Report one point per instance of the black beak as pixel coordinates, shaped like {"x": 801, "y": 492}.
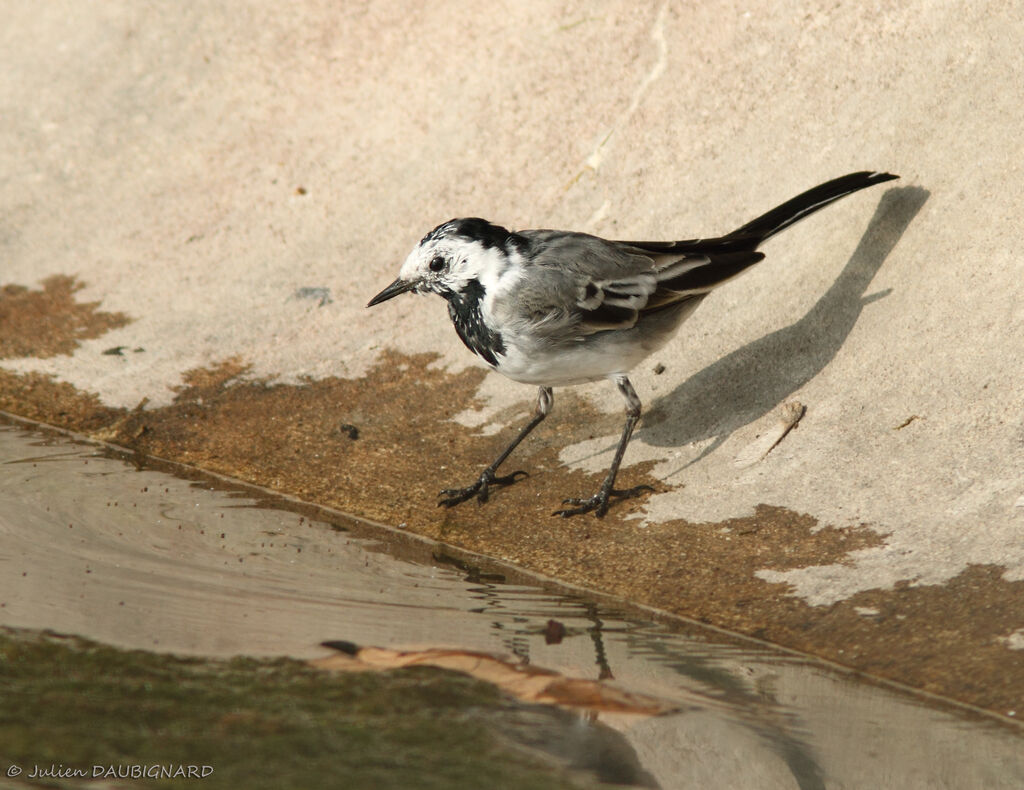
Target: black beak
{"x": 399, "y": 286}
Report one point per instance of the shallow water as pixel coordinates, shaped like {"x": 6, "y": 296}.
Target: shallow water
{"x": 92, "y": 545}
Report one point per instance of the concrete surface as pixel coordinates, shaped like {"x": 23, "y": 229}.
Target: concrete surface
{"x": 231, "y": 185}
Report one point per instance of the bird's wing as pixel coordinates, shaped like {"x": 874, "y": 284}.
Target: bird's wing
{"x": 595, "y": 285}
{"x": 584, "y": 283}
{"x": 693, "y": 274}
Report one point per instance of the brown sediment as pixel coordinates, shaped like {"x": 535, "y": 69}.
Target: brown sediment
{"x": 47, "y": 322}
{"x": 39, "y": 397}
{"x": 298, "y": 439}
{"x": 944, "y": 638}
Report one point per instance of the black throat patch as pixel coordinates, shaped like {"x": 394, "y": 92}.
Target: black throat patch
{"x": 465, "y": 309}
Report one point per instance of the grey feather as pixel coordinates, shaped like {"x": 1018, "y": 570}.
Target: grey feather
{"x": 583, "y": 284}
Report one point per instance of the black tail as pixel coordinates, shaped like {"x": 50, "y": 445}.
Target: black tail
{"x": 750, "y": 236}
{"x": 803, "y": 205}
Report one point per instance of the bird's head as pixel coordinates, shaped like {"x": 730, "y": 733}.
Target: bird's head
{"x": 452, "y": 256}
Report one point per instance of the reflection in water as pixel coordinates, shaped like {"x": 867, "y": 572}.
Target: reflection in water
{"x": 137, "y": 558}
{"x": 705, "y": 680}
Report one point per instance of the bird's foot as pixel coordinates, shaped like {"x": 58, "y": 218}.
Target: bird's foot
{"x": 450, "y": 497}
{"x": 599, "y": 501}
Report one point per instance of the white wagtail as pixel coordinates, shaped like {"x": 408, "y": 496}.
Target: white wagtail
{"x": 553, "y": 308}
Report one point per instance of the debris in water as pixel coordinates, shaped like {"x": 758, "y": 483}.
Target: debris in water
{"x": 525, "y": 681}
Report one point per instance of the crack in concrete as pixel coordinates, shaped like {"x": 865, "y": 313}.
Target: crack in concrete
{"x": 597, "y": 156}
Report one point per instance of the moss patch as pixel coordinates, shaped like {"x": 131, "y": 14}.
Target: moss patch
{"x": 256, "y": 723}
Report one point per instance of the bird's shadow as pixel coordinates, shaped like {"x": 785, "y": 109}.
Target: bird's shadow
{"x": 751, "y": 381}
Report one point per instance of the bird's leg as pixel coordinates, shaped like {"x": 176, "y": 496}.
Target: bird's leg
{"x": 453, "y": 496}
{"x": 599, "y": 502}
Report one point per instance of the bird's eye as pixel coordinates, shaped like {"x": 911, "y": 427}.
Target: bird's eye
{"x": 436, "y": 263}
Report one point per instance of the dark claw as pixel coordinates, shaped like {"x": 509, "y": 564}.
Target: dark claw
{"x": 599, "y": 502}
{"x": 508, "y": 480}
{"x": 450, "y": 497}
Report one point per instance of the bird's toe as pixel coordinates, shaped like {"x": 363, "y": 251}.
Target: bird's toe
{"x": 599, "y": 503}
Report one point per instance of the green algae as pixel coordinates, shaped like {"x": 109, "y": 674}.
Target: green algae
{"x": 257, "y": 723}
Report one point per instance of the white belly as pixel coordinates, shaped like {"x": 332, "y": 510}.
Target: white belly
{"x": 534, "y": 358}
{"x": 597, "y": 357}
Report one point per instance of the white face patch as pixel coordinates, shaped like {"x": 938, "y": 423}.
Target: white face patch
{"x": 410, "y": 268}
{"x": 463, "y": 261}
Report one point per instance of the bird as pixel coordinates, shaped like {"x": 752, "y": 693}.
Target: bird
{"x": 557, "y": 308}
